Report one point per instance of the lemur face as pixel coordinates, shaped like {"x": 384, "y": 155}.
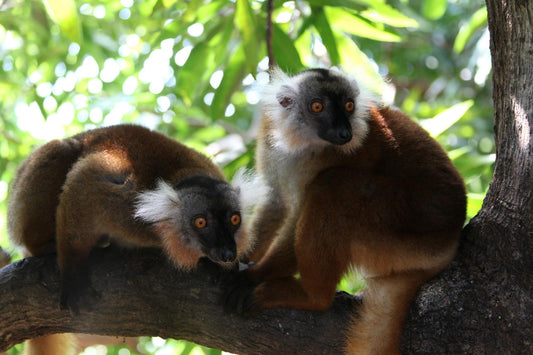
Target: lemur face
{"x": 200, "y": 214}
{"x": 210, "y": 217}
{"x": 317, "y": 107}
{"x": 327, "y": 103}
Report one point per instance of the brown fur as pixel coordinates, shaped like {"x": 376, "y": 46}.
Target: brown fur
{"x": 393, "y": 209}
{"x": 96, "y": 175}
{"x": 51, "y": 345}
{"x": 70, "y": 193}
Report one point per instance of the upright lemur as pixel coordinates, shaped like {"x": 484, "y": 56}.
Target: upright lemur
{"x": 128, "y": 186}
{"x": 353, "y": 184}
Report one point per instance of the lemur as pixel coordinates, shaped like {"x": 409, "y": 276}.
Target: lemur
{"x": 128, "y": 186}
{"x": 353, "y": 184}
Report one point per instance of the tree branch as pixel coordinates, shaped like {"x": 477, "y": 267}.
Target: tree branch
{"x": 459, "y": 311}
{"x": 268, "y": 35}
{"x": 142, "y": 295}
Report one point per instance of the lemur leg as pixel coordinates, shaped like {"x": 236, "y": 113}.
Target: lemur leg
{"x": 266, "y": 222}
{"x": 64, "y": 344}
{"x": 279, "y": 259}
{"x": 320, "y": 264}
{"x": 96, "y": 183}
{"x": 279, "y": 263}
{"x": 41, "y": 176}
{"x": 386, "y": 303}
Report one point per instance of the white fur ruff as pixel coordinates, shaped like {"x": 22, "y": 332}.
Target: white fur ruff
{"x": 158, "y": 204}
{"x": 251, "y": 187}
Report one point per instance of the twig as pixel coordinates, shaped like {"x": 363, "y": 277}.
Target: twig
{"x": 270, "y": 51}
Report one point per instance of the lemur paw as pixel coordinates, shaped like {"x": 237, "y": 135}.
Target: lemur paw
{"x": 76, "y": 293}
{"x": 238, "y": 294}
{"x": 216, "y": 272}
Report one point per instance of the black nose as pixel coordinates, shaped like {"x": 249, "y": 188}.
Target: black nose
{"x": 226, "y": 255}
{"x": 344, "y": 135}
{"x": 337, "y": 136}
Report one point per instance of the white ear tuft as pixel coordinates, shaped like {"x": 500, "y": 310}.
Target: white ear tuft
{"x": 251, "y": 188}
{"x": 157, "y": 204}
{"x": 278, "y": 93}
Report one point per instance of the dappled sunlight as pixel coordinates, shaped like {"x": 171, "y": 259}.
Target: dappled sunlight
{"x": 522, "y": 125}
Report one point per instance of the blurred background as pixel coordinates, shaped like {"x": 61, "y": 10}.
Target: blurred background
{"x": 194, "y": 70}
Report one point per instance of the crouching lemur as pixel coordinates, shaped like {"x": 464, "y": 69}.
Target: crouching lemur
{"x": 128, "y": 186}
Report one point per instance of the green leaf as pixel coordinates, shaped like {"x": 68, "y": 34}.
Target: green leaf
{"x": 354, "y": 61}
{"x": 351, "y": 4}
{"x": 383, "y": 13}
{"x": 321, "y": 24}
{"x": 446, "y": 118}
{"x": 193, "y": 71}
{"x": 474, "y": 203}
{"x": 435, "y": 9}
{"x": 473, "y": 164}
{"x": 285, "y": 53}
{"x": 353, "y": 24}
{"x": 245, "y": 22}
{"x": 219, "y": 37}
{"x": 64, "y": 13}
{"x": 208, "y": 11}
{"x": 169, "y": 3}
{"x": 146, "y": 8}
{"x": 233, "y": 75}
{"x": 459, "y": 152}
{"x": 209, "y": 134}
{"x": 190, "y": 14}
{"x": 477, "y": 20}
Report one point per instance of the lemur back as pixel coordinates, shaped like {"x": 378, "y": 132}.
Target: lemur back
{"x": 35, "y": 192}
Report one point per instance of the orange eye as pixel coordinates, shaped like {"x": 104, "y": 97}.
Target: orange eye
{"x": 349, "y": 106}
{"x": 200, "y": 222}
{"x": 235, "y": 219}
{"x": 317, "y": 106}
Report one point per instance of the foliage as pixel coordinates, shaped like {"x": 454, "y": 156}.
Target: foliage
{"x": 193, "y": 69}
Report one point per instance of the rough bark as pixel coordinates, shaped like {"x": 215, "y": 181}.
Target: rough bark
{"x": 487, "y": 305}
{"x": 142, "y": 295}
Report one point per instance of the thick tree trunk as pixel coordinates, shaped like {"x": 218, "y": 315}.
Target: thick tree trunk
{"x": 509, "y": 203}
{"x": 485, "y": 302}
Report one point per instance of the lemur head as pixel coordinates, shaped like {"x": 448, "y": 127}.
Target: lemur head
{"x": 198, "y": 216}
{"x": 316, "y": 107}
